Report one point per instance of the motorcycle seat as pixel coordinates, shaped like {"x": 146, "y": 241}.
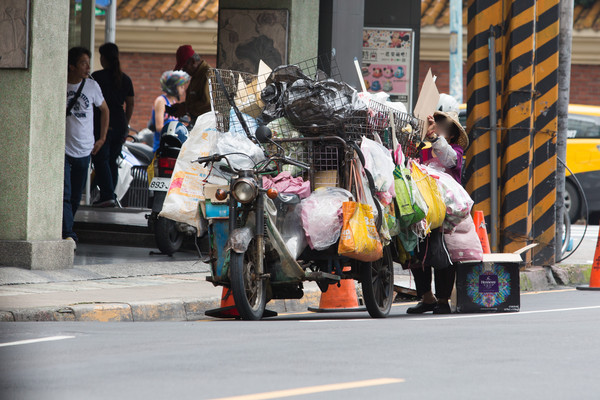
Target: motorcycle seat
{"x": 141, "y": 151}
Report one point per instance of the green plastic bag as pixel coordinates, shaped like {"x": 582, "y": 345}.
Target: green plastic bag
{"x": 408, "y": 210}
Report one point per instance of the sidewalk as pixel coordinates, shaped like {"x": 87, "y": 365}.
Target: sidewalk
{"x": 130, "y": 285}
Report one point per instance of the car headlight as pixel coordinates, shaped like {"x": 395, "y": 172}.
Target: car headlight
{"x": 245, "y": 190}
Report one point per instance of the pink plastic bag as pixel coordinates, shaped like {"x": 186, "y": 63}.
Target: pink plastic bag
{"x": 463, "y": 243}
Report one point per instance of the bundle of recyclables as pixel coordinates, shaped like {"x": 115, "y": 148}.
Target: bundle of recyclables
{"x": 365, "y": 188}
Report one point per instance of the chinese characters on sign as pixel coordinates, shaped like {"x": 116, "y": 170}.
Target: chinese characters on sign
{"x": 387, "y": 58}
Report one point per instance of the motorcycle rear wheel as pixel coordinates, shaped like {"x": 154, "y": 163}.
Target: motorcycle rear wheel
{"x": 249, "y": 290}
{"x": 377, "y": 280}
{"x": 168, "y": 238}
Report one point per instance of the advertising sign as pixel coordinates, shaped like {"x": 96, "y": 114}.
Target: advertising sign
{"x": 387, "y": 62}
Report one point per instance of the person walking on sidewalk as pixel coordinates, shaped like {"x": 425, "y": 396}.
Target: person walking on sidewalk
{"x": 197, "y": 98}
{"x": 117, "y": 90}
{"x": 172, "y": 84}
{"x": 82, "y": 94}
{"x": 448, "y": 142}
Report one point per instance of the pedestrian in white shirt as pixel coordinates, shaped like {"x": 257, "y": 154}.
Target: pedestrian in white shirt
{"x": 83, "y": 94}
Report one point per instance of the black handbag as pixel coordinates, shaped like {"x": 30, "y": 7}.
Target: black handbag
{"x": 433, "y": 252}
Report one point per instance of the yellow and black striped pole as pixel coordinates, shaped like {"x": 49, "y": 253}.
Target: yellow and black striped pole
{"x": 527, "y": 92}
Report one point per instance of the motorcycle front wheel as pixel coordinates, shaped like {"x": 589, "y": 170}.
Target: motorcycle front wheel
{"x": 249, "y": 289}
{"x": 377, "y": 280}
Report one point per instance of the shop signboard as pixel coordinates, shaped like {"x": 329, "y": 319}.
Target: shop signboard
{"x": 387, "y": 62}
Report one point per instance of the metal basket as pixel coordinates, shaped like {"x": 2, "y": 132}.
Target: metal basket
{"x": 378, "y": 121}
{"x": 244, "y": 88}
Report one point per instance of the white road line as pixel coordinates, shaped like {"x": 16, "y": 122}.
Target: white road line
{"x": 334, "y": 320}
{"x": 510, "y": 314}
{"x": 30, "y": 341}
{"x": 314, "y": 389}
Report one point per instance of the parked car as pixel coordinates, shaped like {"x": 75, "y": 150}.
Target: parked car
{"x": 583, "y": 158}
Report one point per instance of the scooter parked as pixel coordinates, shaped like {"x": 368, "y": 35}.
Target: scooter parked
{"x": 169, "y": 234}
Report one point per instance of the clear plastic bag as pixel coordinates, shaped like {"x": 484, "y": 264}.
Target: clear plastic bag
{"x": 322, "y": 216}
{"x": 229, "y": 142}
{"x": 378, "y": 161}
{"x": 457, "y": 200}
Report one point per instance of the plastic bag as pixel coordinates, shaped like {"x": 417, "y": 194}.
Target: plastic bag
{"x": 235, "y": 126}
{"x": 409, "y": 211}
{"x": 276, "y": 84}
{"x": 359, "y": 238}
{"x": 292, "y": 232}
{"x": 322, "y": 216}
{"x": 378, "y": 161}
{"x": 229, "y": 142}
{"x": 463, "y": 244}
{"x": 457, "y": 200}
{"x": 429, "y": 190}
{"x": 309, "y": 104}
{"x": 187, "y": 181}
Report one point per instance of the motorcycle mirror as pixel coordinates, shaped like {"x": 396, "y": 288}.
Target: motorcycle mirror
{"x": 263, "y": 134}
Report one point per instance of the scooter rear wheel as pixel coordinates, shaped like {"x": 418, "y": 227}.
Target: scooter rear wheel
{"x": 249, "y": 290}
{"x": 377, "y": 279}
{"x": 168, "y": 238}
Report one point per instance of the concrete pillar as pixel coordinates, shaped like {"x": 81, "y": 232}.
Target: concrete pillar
{"x": 303, "y": 34}
{"x": 32, "y": 140}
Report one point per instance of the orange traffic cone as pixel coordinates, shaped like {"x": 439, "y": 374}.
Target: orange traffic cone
{"x": 340, "y": 298}
{"x": 479, "y": 221}
{"x": 595, "y": 276}
{"x": 227, "y": 309}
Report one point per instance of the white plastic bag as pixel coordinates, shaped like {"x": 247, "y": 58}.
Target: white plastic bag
{"x": 187, "y": 181}
{"x": 457, "y": 200}
{"x": 322, "y": 217}
{"x": 378, "y": 161}
{"x": 232, "y": 143}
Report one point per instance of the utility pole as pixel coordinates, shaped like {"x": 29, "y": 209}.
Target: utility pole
{"x": 564, "y": 78}
{"x": 456, "y": 30}
{"x": 110, "y": 22}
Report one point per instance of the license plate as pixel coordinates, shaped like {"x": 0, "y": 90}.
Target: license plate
{"x": 160, "y": 184}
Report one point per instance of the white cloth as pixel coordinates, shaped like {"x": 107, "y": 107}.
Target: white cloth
{"x": 79, "y": 140}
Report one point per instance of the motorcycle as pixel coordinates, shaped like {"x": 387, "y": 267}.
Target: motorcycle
{"x": 254, "y": 237}
{"x": 169, "y": 235}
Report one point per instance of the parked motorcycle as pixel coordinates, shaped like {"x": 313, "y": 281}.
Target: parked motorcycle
{"x": 169, "y": 235}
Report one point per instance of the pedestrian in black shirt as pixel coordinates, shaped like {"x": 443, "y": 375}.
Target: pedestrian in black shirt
{"x": 117, "y": 89}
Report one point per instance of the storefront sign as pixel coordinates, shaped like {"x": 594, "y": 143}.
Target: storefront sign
{"x": 387, "y": 62}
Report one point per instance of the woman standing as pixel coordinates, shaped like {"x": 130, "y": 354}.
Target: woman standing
{"x": 117, "y": 89}
{"x": 448, "y": 142}
{"x": 172, "y": 84}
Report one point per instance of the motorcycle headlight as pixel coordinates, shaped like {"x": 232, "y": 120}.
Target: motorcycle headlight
{"x": 245, "y": 190}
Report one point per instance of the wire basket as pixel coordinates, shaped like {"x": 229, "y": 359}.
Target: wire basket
{"x": 384, "y": 121}
{"x": 245, "y": 88}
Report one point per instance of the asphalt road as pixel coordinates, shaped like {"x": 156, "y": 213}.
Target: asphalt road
{"x": 585, "y": 253}
{"x": 547, "y": 351}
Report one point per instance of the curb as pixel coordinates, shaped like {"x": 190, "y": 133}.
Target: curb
{"x": 531, "y": 279}
{"x": 144, "y": 311}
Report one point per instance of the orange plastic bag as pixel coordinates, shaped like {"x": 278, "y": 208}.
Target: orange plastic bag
{"x": 359, "y": 238}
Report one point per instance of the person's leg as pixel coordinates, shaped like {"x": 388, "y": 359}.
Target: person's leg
{"x": 116, "y": 145}
{"x": 79, "y": 173}
{"x": 67, "y": 219}
{"x": 102, "y": 172}
{"x": 423, "y": 283}
{"x": 444, "y": 283}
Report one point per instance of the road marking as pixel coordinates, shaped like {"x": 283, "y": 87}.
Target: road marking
{"x": 314, "y": 389}
{"x": 505, "y": 314}
{"x": 30, "y": 341}
{"x": 335, "y": 320}
{"x": 548, "y": 291}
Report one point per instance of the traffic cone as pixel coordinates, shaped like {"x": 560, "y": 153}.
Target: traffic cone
{"x": 595, "y": 275}
{"x": 340, "y": 298}
{"x": 479, "y": 221}
{"x": 227, "y": 309}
